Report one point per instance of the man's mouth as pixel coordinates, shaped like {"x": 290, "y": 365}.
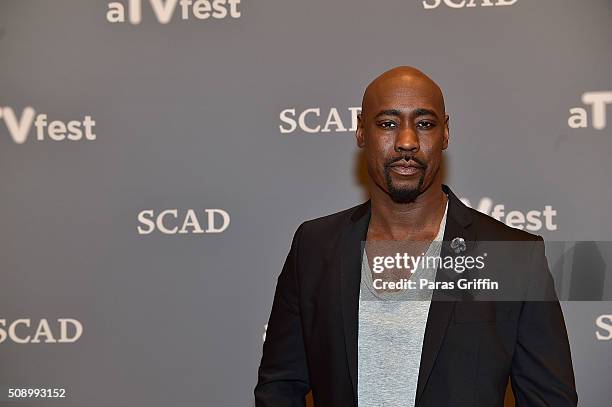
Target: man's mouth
{"x": 406, "y": 168}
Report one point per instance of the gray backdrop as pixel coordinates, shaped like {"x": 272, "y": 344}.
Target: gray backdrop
{"x": 193, "y": 114}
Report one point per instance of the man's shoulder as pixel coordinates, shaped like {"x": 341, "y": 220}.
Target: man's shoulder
{"x": 331, "y": 225}
{"x": 490, "y": 229}
{"x": 486, "y": 227}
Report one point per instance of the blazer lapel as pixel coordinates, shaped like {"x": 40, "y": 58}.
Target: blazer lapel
{"x": 443, "y": 301}
{"x": 353, "y": 235}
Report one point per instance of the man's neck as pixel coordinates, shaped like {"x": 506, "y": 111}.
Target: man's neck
{"x": 417, "y": 220}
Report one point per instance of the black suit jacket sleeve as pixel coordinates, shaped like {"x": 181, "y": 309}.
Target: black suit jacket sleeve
{"x": 283, "y": 372}
{"x": 542, "y": 373}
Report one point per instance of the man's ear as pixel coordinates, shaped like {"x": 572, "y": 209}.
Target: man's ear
{"x": 446, "y": 133}
{"x": 359, "y": 133}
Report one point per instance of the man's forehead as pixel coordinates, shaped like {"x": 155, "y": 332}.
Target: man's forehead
{"x": 404, "y": 92}
{"x": 404, "y": 101}
{"x": 404, "y": 106}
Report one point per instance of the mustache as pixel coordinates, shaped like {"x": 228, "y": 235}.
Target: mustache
{"x": 407, "y": 158}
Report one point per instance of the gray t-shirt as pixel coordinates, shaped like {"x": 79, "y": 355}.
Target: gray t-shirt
{"x": 390, "y": 336}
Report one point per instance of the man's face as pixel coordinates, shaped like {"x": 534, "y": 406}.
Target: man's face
{"x": 403, "y": 128}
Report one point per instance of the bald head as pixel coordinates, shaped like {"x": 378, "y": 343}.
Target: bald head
{"x": 402, "y": 81}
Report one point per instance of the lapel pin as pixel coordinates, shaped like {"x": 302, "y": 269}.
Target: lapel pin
{"x": 458, "y": 245}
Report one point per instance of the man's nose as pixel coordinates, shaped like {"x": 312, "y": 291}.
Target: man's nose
{"x": 407, "y": 140}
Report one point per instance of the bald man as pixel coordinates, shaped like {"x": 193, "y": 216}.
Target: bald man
{"x": 357, "y": 333}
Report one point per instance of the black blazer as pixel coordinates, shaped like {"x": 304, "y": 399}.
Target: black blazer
{"x": 469, "y": 349}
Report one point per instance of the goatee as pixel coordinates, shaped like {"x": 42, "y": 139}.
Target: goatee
{"x": 407, "y": 194}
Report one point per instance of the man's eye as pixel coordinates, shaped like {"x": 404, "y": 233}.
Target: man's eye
{"x": 387, "y": 125}
{"x": 425, "y": 125}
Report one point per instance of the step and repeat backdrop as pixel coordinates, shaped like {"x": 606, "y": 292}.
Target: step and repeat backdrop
{"x": 156, "y": 157}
